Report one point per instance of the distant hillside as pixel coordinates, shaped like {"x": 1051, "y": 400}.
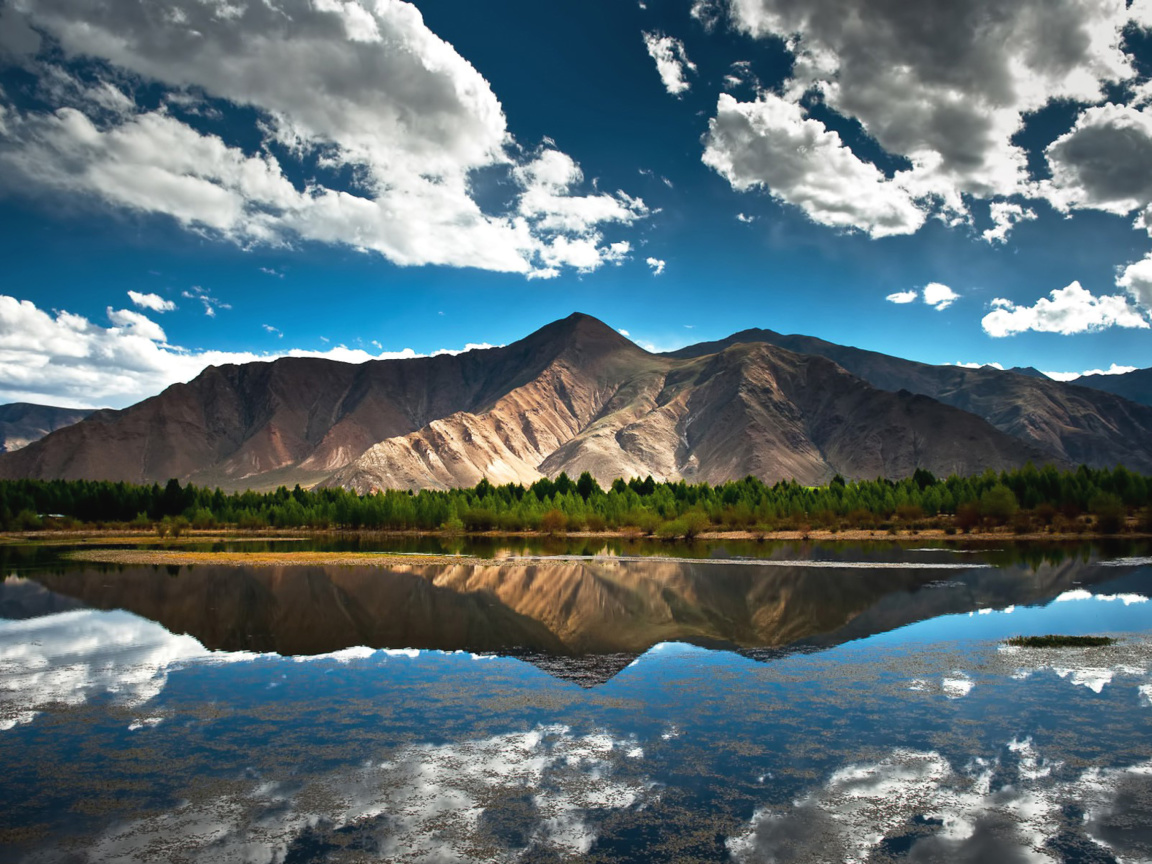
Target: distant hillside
{"x": 1070, "y": 422}
{"x": 1135, "y": 385}
{"x": 21, "y": 423}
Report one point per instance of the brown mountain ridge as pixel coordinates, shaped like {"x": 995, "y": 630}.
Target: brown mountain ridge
{"x": 577, "y": 396}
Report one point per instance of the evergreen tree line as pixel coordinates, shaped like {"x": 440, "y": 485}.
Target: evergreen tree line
{"x": 1028, "y": 499}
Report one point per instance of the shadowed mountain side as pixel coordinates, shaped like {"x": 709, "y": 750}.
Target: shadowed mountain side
{"x": 1135, "y": 385}
{"x": 21, "y": 423}
{"x": 552, "y": 609}
{"x": 751, "y": 409}
{"x": 294, "y": 419}
{"x": 1071, "y": 423}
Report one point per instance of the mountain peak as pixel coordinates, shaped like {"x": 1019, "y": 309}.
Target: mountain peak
{"x": 580, "y": 330}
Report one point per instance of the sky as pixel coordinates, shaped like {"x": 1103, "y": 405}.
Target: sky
{"x": 202, "y": 182}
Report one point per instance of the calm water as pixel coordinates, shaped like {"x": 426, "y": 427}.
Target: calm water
{"x": 756, "y": 703}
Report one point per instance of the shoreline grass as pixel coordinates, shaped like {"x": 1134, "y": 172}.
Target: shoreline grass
{"x": 1052, "y": 640}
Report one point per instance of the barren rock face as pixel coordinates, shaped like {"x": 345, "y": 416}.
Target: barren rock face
{"x": 577, "y": 396}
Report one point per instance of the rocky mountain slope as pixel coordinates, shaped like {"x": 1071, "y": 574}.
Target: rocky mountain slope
{"x": 577, "y": 396}
{"x": 606, "y": 407}
{"x": 1068, "y": 422}
{"x": 21, "y": 423}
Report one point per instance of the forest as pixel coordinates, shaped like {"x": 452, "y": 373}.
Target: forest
{"x": 1026, "y": 500}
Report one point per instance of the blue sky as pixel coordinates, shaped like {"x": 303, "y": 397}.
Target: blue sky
{"x": 354, "y": 179}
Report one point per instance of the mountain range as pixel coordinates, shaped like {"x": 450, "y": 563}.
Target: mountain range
{"x": 578, "y": 396}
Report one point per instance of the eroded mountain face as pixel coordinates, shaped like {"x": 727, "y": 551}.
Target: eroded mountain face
{"x": 577, "y": 396}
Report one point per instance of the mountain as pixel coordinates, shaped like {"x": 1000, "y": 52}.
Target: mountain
{"x": 574, "y": 396}
{"x": 751, "y": 409}
{"x": 1070, "y": 423}
{"x": 291, "y": 420}
{"x": 21, "y": 423}
{"x": 1135, "y": 385}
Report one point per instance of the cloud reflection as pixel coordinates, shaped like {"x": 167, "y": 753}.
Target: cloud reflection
{"x": 69, "y": 658}
{"x": 500, "y": 798}
{"x": 918, "y": 802}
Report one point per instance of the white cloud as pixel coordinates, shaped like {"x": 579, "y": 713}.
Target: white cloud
{"x": 772, "y": 143}
{"x": 153, "y": 302}
{"x": 977, "y": 365}
{"x": 935, "y": 294}
{"x": 672, "y": 61}
{"x": 623, "y": 332}
{"x": 211, "y": 304}
{"x": 1114, "y": 369}
{"x": 741, "y": 217}
{"x": 656, "y": 264}
{"x": 1103, "y": 162}
{"x": 1005, "y": 216}
{"x": 363, "y": 91}
{"x": 939, "y": 296}
{"x": 707, "y": 12}
{"x": 1072, "y": 309}
{"x": 1136, "y": 279}
{"x": 268, "y": 328}
{"x": 946, "y": 84}
{"x": 64, "y": 359}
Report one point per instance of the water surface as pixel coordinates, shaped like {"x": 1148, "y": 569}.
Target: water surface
{"x": 836, "y": 702}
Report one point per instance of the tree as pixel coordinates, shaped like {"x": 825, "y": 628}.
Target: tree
{"x": 587, "y": 486}
{"x": 999, "y": 504}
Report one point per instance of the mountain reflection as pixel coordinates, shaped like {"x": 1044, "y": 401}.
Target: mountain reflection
{"x": 550, "y": 608}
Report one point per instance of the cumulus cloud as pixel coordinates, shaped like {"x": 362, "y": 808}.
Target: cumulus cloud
{"x": 772, "y": 144}
{"x": 939, "y": 296}
{"x": 672, "y": 61}
{"x": 1005, "y": 216}
{"x": 1103, "y": 161}
{"x": 60, "y": 358}
{"x": 656, "y": 264}
{"x": 944, "y": 85}
{"x": 361, "y": 91}
{"x": 152, "y": 302}
{"x": 935, "y": 294}
{"x": 1136, "y": 279}
{"x": 1072, "y": 309}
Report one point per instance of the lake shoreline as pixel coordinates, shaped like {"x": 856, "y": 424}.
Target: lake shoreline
{"x": 974, "y": 539}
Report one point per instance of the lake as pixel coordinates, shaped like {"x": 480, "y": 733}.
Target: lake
{"x": 580, "y": 700}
